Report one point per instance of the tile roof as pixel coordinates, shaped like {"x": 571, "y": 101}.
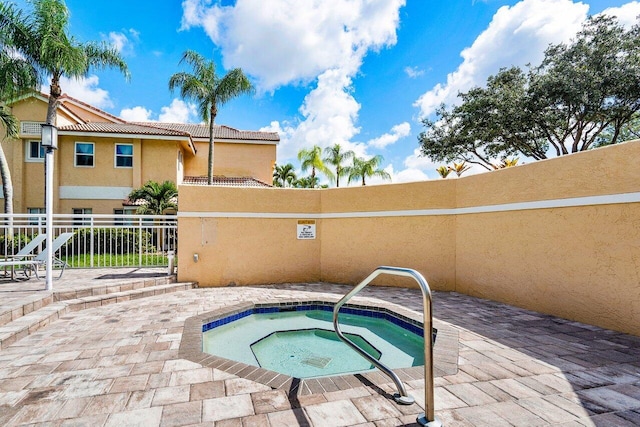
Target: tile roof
{"x": 125, "y": 128}
{"x": 118, "y": 125}
{"x": 141, "y": 202}
{"x": 199, "y": 130}
{"x": 225, "y": 181}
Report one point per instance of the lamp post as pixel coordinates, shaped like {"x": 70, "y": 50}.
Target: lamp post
{"x": 50, "y": 143}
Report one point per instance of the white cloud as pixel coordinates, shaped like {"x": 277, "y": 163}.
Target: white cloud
{"x": 329, "y": 114}
{"x": 136, "y": 114}
{"x": 397, "y": 132}
{"x": 413, "y": 72}
{"x": 404, "y": 175}
{"x": 87, "y": 90}
{"x": 123, "y": 41}
{"x": 417, "y": 161}
{"x": 178, "y": 112}
{"x": 281, "y": 42}
{"x": 118, "y": 40}
{"x": 626, "y": 14}
{"x": 517, "y": 35}
{"x": 285, "y": 41}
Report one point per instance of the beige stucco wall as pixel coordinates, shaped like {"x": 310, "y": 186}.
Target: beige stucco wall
{"x": 580, "y": 263}
{"x": 31, "y": 195}
{"x": 353, "y": 247}
{"x": 30, "y": 109}
{"x": 85, "y": 114}
{"x": 246, "y": 251}
{"x": 577, "y": 262}
{"x": 158, "y": 161}
{"x": 233, "y": 159}
{"x": 251, "y": 160}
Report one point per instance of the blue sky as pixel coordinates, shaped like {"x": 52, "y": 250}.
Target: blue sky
{"x": 356, "y": 72}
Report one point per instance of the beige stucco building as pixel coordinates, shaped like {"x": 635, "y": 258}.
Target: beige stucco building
{"x": 101, "y": 158}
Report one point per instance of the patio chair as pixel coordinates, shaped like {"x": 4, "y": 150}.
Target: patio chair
{"x": 15, "y": 259}
{"x": 41, "y": 258}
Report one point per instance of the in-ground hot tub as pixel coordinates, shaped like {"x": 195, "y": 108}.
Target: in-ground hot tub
{"x": 298, "y": 339}
{"x": 241, "y": 360}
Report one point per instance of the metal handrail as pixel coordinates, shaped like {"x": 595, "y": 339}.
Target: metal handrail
{"x": 428, "y": 418}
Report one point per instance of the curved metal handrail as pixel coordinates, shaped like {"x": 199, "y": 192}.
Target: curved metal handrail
{"x": 428, "y": 418}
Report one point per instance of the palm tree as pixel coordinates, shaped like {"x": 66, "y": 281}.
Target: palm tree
{"x": 362, "y": 169}
{"x": 312, "y": 158}
{"x": 308, "y": 182}
{"x": 283, "y": 175}
{"x": 156, "y": 198}
{"x": 17, "y": 75}
{"x": 42, "y": 38}
{"x": 336, "y": 157}
{"x": 209, "y": 90}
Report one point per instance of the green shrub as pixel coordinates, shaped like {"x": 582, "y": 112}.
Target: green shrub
{"x": 109, "y": 241}
{"x": 9, "y": 246}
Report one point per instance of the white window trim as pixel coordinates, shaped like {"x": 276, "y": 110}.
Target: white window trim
{"x": 129, "y": 210}
{"x": 81, "y": 218}
{"x": 75, "y": 154}
{"x": 27, "y": 152}
{"x": 115, "y": 156}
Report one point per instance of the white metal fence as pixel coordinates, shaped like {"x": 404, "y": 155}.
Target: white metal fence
{"x": 98, "y": 240}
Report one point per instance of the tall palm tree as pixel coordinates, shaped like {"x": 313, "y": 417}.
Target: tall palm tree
{"x": 209, "y": 90}
{"x": 17, "y": 75}
{"x": 283, "y": 175}
{"x": 336, "y": 157}
{"x": 42, "y": 38}
{"x": 156, "y": 198}
{"x": 312, "y": 158}
{"x": 362, "y": 169}
{"x": 306, "y": 182}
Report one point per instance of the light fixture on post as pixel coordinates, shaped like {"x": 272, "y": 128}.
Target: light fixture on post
{"x": 49, "y": 142}
{"x": 49, "y": 136}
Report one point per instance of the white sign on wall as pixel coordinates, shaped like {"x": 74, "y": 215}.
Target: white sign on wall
{"x": 306, "y": 229}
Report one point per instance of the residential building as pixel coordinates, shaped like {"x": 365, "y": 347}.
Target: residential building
{"x": 101, "y": 158}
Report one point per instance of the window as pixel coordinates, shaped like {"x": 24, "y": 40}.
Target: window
{"x": 81, "y": 220}
{"x": 84, "y": 154}
{"x": 35, "y": 220}
{"x": 35, "y": 151}
{"x": 124, "y": 155}
{"x": 124, "y": 211}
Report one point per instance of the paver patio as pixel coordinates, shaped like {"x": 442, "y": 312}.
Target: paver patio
{"x": 118, "y": 364}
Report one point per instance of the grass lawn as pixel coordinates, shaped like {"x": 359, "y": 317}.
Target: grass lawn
{"x": 113, "y": 260}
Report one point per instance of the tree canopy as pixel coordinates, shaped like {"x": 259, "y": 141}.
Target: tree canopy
{"x": 312, "y": 158}
{"x": 42, "y": 38}
{"x": 284, "y": 175}
{"x": 583, "y": 94}
{"x": 209, "y": 90}
{"x": 336, "y": 156}
{"x": 35, "y": 46}
{"x": 155, "y": 198}
{"x": 367, "y": 168}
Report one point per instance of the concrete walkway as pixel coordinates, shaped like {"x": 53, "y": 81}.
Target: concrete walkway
{"x": 117, "y": 364}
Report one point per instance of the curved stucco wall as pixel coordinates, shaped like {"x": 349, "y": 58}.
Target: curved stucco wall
{"x": 558, "y": 236}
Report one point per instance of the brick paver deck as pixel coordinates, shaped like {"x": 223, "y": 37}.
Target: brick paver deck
{"x": 118, "y": 365}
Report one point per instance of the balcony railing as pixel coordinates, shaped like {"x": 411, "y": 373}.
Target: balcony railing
{"x": 98, "y": 240}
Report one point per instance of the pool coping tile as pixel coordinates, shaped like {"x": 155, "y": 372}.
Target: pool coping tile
{"x": 445, "y": 362}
